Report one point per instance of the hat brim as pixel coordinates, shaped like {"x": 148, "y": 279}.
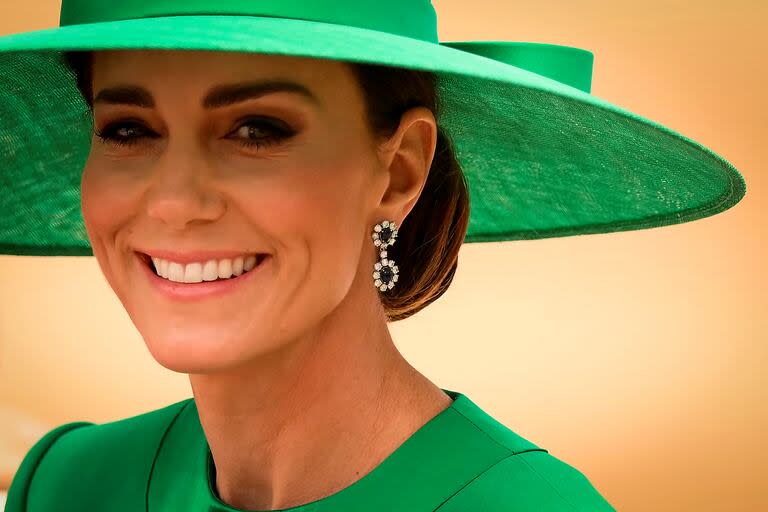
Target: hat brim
{"x": 542, "y": 159}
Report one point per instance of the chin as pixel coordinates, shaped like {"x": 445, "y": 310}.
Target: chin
{"x": 203, "y": 351}
{"x": 190, "y": 350}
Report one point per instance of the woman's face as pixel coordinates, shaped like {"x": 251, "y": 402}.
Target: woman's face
{"x": 290, "y": 174}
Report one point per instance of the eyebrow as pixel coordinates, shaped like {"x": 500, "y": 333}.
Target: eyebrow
{"x": 218, "y": 96}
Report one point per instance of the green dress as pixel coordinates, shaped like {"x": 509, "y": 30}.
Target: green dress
{"x": 462, "y": 460}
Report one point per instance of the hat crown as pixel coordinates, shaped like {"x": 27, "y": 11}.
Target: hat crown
{"x": 410, "y": 18}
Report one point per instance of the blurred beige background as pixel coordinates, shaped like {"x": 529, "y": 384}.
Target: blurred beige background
{"x": 637, "y": 357}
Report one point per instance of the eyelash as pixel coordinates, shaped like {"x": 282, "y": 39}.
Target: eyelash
{"x": 277, "y": 134}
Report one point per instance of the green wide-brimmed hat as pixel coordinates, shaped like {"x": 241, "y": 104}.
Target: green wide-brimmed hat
{"x": 542, "y": 156}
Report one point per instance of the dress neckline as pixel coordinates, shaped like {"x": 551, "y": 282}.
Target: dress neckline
{"x": 441, "y": 456}
{"x": 358, "y": 487}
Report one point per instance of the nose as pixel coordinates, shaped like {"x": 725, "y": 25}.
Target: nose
{"x": 183, "y": 191}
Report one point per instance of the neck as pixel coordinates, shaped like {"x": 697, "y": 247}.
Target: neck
{"x": 311, "y": 418}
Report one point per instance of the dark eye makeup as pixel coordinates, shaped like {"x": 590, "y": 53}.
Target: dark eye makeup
{"x": 130, "y": 132}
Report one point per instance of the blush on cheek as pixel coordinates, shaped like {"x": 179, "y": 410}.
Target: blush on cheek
{"x": 109, "y": 199}
{"x": 106, "y": 210}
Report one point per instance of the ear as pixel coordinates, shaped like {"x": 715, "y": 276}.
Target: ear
{"x": 407, "y": 157}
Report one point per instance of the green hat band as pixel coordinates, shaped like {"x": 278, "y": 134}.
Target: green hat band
{"x": 410, "y": 18}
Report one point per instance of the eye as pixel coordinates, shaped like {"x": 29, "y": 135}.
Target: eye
{"x": 254, "y": 132}
{"x": 262, "y": 132}
{"x": 122, "y": 133}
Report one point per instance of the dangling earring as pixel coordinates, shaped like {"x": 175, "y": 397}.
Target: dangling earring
{"x": 384, "y": 271}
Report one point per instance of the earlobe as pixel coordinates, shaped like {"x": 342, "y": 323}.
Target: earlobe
{"x": 410, "y": 152}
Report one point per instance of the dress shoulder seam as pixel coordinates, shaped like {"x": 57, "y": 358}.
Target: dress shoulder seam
{"x": 478, "y": 427}
{"x": 549, "y": 483}
{"x": 18, "y": 493}
{"x": 159, "y": 447}
{"x": 486, "y": 470}
{"x": 507, "y": 448}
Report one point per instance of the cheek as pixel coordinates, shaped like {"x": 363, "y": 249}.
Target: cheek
{"x": 106, "y": 199}
{"x": 317, "y": 216}
{"x": 106, "y": 204}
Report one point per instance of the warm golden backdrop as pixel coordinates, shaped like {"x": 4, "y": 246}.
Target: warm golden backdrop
{"x": 638, "y": 357}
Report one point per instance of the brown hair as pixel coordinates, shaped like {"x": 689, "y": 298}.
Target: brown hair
{"x": 428, "y": 242}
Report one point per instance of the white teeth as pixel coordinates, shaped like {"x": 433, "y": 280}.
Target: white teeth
{"x": 193, "y": 273}
{"x": 175, "y": 272}
{"x": 204, "y": 271}
{"x": 159, "y": 266}
{"x": 211, "y": 270}
{"x": 237, "y": 266}
{"x": 249, "y": 263}
{"x": 225, "y": 269}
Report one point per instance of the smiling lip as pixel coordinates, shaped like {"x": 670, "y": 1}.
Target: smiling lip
{"x": 205, "y": 289}
{"x": 194, "y": 256}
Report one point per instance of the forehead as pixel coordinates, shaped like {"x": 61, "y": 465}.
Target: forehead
{"x": 199, "y": 69}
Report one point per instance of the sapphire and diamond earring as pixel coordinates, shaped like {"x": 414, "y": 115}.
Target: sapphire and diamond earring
{"x": 384, "y": 271}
